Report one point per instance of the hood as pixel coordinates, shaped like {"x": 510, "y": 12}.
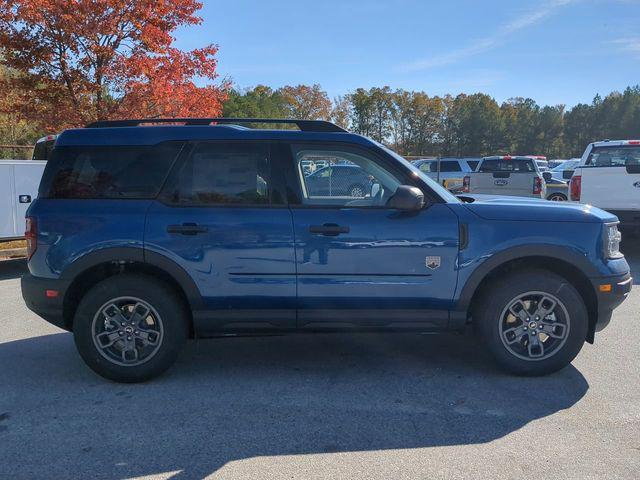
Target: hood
{"x": 532, "y": 209}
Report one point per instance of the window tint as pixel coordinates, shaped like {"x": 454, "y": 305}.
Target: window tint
{"x": 108, "y": 171}
{"x": 614, "y": 156}
{"x": 221, "y": 173}
{"x": 514, "y": 165}
{"x": 42, "y": 150}
{"x": 349, "y": 179}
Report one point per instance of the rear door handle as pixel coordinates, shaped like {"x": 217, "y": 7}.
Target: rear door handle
{"x": 187, "y": 229}
{"x": 328, "y": 229}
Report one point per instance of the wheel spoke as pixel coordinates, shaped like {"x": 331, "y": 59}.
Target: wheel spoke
{"x": 535, "y": 346}
{"x": 515, "y": 334}
{"x": 108, "y": 339}
{"x": 113, "y": 315}
{"x": 554, "y": 329}
{"x": 130, "y": 347}
{"x": 148, "y": 337}
{"x": 140, "y": 312}
{"x": 546, "y": 305}
{"x": 519, "y": 310}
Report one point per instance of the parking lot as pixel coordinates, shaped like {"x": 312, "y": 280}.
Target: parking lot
{"x": 347, "y": 406}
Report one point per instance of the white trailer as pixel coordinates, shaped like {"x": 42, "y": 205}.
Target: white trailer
{"x": 19, "y": 181}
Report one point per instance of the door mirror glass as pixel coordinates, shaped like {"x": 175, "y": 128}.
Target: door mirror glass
{"x": 375, "y": 189}
{"x": 407, "y": 198}
{"x": 547, "y": 176}
{"x": 567, "y": 174}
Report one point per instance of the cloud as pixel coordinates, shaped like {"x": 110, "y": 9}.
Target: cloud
{"x": 487, "y": 43}
{"x": 628, "y": 45}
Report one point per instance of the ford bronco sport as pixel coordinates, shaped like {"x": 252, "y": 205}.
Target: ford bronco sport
{"x": 148, "y": 232}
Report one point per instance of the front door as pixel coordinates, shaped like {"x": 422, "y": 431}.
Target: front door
{"x": 360, "y": 263}
{"x": 221, "y": 218}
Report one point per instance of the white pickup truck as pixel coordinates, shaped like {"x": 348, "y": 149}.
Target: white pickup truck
{"x": 608, "y": 177}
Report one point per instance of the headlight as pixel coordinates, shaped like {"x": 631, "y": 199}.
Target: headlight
{"x": 612, "y": 239}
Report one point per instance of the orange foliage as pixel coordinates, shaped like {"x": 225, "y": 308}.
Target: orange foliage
{"x": 76, "y": 61}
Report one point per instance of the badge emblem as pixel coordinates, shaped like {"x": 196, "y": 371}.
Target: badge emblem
{"x": 501, "y": 182}
{"x": 432, "y": 262}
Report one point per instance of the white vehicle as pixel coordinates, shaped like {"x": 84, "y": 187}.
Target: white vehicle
{"x": 506, "y": 175}
{"x": 43, "y": 147}
{"x": 19, "y": 180}
{"x": 608, "y": 177}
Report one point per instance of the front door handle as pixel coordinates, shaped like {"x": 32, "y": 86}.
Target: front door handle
{"x": 187, "y": 229}
{"x": 328, "y": 229}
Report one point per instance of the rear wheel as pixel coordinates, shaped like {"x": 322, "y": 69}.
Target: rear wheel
{"x": 357, "y": 191}
{"x": 557, "y": 197}
{"x": 130, "y": 328}
{"x": 534, "y": 322}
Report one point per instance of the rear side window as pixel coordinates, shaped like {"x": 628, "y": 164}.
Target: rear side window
{"x": 221, "y": 174}
{"x": 115, "y": 172}
{"x": 42, "y": 150}
{"x": 514, "y": 165}
{"x": 614, "y": 156}
{"x": 449, "y": 166}
{"x": 473, "y": 164}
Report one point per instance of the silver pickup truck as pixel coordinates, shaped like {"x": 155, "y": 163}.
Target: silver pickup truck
{"x": 506, "y": 175}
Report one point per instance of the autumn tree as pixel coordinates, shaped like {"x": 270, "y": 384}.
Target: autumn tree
{"x": 306, "y": 102}
{"x": 86, "y": 60}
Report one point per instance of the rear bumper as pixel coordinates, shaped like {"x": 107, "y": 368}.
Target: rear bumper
{"x": 50, "y": 308}
{"x": 608, "y": 301}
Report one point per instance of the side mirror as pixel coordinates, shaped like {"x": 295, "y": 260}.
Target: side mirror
{"x": 375, "y": 189}
{"x": 547, "y": 176}
{"x": 407, "y": 198}
{"x": 567, "y": 174}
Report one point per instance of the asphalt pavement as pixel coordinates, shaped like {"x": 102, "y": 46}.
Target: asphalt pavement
{"x": 325, "y": 406}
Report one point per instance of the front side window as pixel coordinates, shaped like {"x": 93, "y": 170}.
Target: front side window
{"x": 350, "y": 178}
{"x": 450, "y": 166}
{"x": 614, "y": 156}
{"x": 113, "y": 172}
{"x": 221, "y": 173}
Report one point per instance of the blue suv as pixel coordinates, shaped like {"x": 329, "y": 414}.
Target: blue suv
{"x": 148, "y": 232}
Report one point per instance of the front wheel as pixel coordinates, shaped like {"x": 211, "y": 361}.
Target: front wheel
{"x": 533, "y": 322}
{"x": 130, "y": 328}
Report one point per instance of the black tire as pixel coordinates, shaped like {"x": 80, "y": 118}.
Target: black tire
{"x": 491, "y": 316}
{"x": 163, "y": 303}
{"x": 557, "y": 197}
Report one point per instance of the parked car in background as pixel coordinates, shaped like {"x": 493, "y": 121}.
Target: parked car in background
{"x": 142, "y": 236}
{"x": 337, "y": 179}
{"x": 43, "y": 147}
{"x": 506, "y": 175}
{"x": 556, "y": 190}
{"x": 19, "y": 181}
{"x": 608, "y": 177}
{"x": 564, "y": 170}
{"x": 452, "y": 170}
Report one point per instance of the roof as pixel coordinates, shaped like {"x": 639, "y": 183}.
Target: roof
{"x": 153, "y": 131}
{"x": 508, "y": 157}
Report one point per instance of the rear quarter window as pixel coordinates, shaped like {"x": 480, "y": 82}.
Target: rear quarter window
{"x": 116, "y": 172}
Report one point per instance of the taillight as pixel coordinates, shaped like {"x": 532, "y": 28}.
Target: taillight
{"x": 466, "y": 184}
{"x": 537, "y": 186}
{"x": 31, "y": 234}
{"x": 576, "y": 187}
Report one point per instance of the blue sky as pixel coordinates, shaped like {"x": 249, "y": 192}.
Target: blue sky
{"x": 554, "y": 51}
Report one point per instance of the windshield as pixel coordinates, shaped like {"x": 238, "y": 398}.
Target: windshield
{"x": 445, "y": 194}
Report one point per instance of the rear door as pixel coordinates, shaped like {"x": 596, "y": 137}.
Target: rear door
{"x": 611, "y": 177}
{"x": 223, "y": 219}
{"x": 362, "y": 264}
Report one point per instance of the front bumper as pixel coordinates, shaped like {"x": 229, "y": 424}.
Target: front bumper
{"x": 49, "y": 307}
{"x": 609, "y": 300}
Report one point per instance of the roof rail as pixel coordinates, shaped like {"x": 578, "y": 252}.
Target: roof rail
{"x": 303, "y": 125}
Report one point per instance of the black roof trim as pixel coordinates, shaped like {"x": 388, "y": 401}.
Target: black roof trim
{"x": 303, "y": 125}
